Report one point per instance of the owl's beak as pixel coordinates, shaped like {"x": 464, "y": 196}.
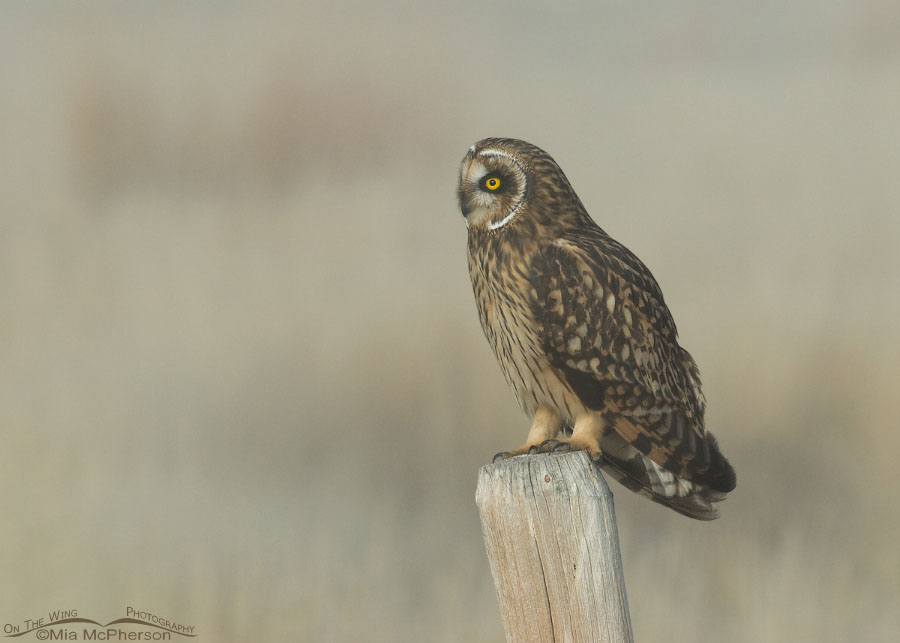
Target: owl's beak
{"x": 460, "y": 190}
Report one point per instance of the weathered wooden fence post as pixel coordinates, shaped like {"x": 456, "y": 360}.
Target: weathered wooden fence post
{"x": 551, "y": 538}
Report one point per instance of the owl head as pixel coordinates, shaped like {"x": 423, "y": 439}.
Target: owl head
{"x": 504, "y": 181}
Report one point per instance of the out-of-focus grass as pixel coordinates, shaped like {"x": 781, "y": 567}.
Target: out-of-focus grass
{"x": 244, "y": 386}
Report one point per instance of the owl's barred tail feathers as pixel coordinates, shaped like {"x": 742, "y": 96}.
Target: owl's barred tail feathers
{"x": 646, "y": 478}
{"x": 692, "y": 498}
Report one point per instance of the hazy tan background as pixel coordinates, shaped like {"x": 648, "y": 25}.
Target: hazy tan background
{"x": 242, "y": 382}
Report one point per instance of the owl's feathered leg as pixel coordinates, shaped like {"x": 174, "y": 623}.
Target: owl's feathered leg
{"x": 586, "y": 436}
{"x": 546, "y": 425}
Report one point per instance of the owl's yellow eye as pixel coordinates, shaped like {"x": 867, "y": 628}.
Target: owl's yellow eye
{"x": 492, "y": 183}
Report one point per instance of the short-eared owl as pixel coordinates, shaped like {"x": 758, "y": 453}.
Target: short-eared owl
{"x": 582, "y": 333}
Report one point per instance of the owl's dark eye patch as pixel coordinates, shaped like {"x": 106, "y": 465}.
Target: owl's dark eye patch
{"x": 493, "y": 182}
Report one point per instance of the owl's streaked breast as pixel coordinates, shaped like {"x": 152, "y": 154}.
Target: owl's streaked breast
{"x": 501, "y": 283}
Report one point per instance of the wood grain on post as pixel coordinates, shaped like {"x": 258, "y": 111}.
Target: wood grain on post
{"x": 551, "y": 538}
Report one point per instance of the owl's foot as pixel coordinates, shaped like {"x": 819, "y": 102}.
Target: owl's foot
{"x": 522, "y": 450}
{"x": 546, "y": 424}
{"x": 575, "y": 443}
{"x": 529, "y": 448}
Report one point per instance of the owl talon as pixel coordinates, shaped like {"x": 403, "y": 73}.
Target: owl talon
{"x": 503, "y": 455}
{"x": 550, "y": 446}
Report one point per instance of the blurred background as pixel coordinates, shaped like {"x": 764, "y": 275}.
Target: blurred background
{"x": 243, "y": 383}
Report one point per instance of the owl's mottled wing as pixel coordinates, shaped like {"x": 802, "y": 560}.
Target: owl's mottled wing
{"x": 609, "y": 333}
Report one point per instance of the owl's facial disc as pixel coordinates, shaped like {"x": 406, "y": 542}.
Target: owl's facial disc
{"x": 491, "y": 188}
